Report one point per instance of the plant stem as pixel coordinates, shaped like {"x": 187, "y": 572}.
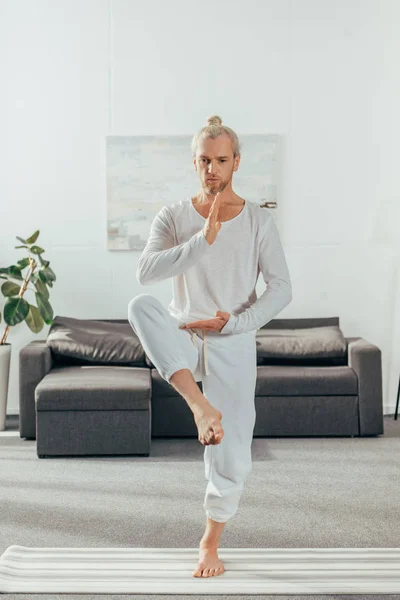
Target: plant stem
{"x": 4, "y": 336}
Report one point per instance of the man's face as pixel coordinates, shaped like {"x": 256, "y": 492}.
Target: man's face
{"x": 214, "y": 160}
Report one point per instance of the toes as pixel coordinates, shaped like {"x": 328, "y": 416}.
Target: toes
{"x": 208, "y": 572}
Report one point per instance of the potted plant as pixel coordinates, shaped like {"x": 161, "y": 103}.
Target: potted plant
{"x": 17, "y": 309}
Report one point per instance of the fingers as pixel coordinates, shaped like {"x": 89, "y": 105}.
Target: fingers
{"x": 203, "y": 324}
{"x": 208, "y": 324}
{"x": 216, "y": 201}
{"x": 215, "y": 206}
{"x": 220, "y": 314}
{"x": 191, "y": 325}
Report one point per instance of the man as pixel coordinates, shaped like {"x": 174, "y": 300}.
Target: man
{"x": 214, "y": 246}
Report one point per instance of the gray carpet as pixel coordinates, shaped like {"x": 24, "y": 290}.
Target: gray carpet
{"x": 302, "y": 493}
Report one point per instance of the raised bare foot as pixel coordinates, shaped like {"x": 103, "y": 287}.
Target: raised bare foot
{"x": 209, "y": 564}
{"x": 209, "y": 426}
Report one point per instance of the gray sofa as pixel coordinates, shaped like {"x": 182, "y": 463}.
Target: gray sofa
{"x": 86, "y": 407}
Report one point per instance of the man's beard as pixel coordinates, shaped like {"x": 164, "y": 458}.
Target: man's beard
{"x": 213, "y": 188}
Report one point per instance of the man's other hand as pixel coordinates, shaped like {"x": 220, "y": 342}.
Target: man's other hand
{"x": 215, "y": 324}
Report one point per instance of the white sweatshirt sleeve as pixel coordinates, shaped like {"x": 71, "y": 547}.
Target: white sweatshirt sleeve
{"x": 160, "y": 259}
{"x": 278, "y": 294}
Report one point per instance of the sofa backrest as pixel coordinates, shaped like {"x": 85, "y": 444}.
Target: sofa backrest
{"x": 262, "y": 357}
{"x": 301, "y": 323}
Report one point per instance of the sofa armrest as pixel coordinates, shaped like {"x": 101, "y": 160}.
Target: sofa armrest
{"x": 35, "y": 361}
{"x": 366, "y": 360}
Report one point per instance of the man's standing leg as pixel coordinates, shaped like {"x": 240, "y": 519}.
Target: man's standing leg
{"x": 209, "y": 563}
{"x": 171, "y": 351}
{"x": 230, "y": 388}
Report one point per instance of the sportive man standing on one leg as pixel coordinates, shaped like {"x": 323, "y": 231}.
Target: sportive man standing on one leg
{"x": 214, "y": 246}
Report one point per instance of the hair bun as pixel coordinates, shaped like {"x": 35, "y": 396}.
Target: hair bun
{"x": 214, "y": 120}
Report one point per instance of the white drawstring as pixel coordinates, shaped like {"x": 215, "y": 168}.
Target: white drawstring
{"x": 205, "y": 353}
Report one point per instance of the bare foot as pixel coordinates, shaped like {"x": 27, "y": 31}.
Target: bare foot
{"x": 209, "y": 563}
{"x": 209, "y": 426}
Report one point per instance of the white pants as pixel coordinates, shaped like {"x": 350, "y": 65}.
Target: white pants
{"x": 229, "y": 387}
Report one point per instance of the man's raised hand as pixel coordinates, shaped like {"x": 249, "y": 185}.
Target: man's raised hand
{"x": 212, "y": 225}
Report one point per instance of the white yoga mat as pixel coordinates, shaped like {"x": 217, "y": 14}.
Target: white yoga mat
{"x": 169, "y": 571}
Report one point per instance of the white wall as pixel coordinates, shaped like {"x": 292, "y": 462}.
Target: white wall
{"x": 322, "y": 73}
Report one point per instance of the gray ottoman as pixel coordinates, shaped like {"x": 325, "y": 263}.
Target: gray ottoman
{"x": 94, "y": 410}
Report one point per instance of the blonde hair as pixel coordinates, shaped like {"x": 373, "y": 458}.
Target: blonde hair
{"x": 213, "y": 129}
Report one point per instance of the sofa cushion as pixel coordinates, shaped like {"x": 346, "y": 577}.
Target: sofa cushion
{"x": 278, "y": 380}
{"x": 87, "y": 341}
{"x": 311, "y": 345}
{"x": 94, "y": 387}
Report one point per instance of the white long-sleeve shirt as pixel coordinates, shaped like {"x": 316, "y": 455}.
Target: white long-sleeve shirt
{"x": 221, "y": 276}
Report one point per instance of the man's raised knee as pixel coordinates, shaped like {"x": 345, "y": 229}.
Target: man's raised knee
{"x": 138, "y": 301}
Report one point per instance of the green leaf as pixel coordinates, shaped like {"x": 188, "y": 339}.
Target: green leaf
{"x": 10, "y": 289}
{"x": 37, "y": 249}
{"x": 33, "y": 238}
{"x": 41, "y": 288}
{"x": 34, "y": 319}
{"x": 45, "y": 309}
{"x": 24, "y": 262}
{"x": 21, "y": 247}
{"x": 44, "y": 263}
{"x": 15, "y": 311}
{"x": 21, "y": 239}
{"x": 13, "y": 271}
{"x": 47, "y": 276}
